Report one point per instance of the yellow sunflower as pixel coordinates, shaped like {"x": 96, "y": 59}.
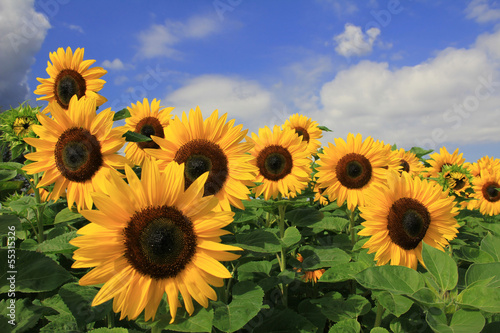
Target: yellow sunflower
{"x": 70, "y": 75}
{"x": 486, "y": 191}
{"x": 409, "y": 162}
{"x": 146, "y": 120}
{"x": 483, "y": 162}
{"x": 437, "y": 161}
{"x": 76, "y": 150}
{"x": 309, "y": 275}
{"x": 402, "y": 215}
{"x": 318, "y": 195}
{"x": 153, "y": 236}
{"x": 307, "y": 129}
{"x": 282, "y": 161}
{"x": 212, "y": 145}
{"x": 457, "y": 180}
{"x": 348, "y": 169}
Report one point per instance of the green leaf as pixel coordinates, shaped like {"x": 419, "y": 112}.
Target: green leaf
{"x": 437, "y": 321}
{"x": 254, "y": 270}
{"x": 292, "y": 236}
{"x": 321, "y": 257}
{"x": 67, "y": 215}
{"x": 395, "y": 304}
{"x": 34, "y": 272}
{"x": 110, "y": 330}
{"x": 260, "y": 240}
{"x": 246, "y": 303}
{"x": 335, "y": 308}
{"x": 342, "y": 272}
{"x": 333, "y": 223}
{"x": 474, "y": 255}
{"x": 59, "y": 244}
{"x": 442, "y": 267}
{"x": 304, "y": 217}
{"x": 426, "y": 298}
{"x": 481, "y": 297}
{"x": 487, "y": 271}
{"x": 11, "y": 166}
{"x": 9, "y": 224}
{"x": 122, "y": 114}
{"x": 396, "y": 279}
{"x": 22, "y": 204}
{"x": 378, "y": 330}
{"x": 200, "y": 321}
{"x": 491, "y": 245}
{"x": 22, "y": 312}
{"x": 312, "y": 312}
{"x": 325, "y": 129}
{"x": 285, "y": 321}
{"x": 420, "y": 152}
{"x": 346, "y": 326}
{"x": 6, "y": 175}
{"x": 463, "y": 321}
{"x": 493, "y": 227}
{"x": 135, "y": 137}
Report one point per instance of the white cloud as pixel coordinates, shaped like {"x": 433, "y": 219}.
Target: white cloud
{"x": 453, "y": 97}
{"x": 481, "y": 11}
{"x": 353, "y": 42}
{"x": 116, "y": 64}
{"x": 76, "y": 28}
{"x": 159, "y": 40}
{"x": 121, "y": 80}
{"x": 22, "y": 31}
{"x": 243, "y": 100}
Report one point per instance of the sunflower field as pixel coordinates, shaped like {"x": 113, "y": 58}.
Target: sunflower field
{"x": 135, "y": 220}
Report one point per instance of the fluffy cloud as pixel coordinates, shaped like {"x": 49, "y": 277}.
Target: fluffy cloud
{"x": 453, "y": 97}
{"x": 22, "y": 31}
{"x": 244, "y": 100}
{"x": 481, "y": 11}
{"x": 116, "y": 64}
{"x": 159, "y": 40}
{"x": 353, "y": 42}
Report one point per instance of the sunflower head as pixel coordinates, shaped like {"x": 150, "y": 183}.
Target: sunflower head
{"x": 149, "y": 120}
{"x": 309, "y": 276}
{"x": 455, "y": 178}
{"x": 70, "y": 75}
{"x": 152, "y": 236}
{"x": 306, "y": 129}
{"x": 212, "y": 146}
{"x": 402, "y": 215}
{"x": 482, "y": 163}
{"x": 349, "y": 168}
{"x": 282, "y": 162}
{"x": 438, "y": 160}
{"x": 409, "y": 162}
{"x": 487, "y": 191}
{"x": 17, "y": 124}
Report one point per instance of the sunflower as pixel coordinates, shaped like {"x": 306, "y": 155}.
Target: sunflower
{"x": 437, "y": 161}
{"x": 212, "y": 145}
{"x": 483, "y": 162}
{"x": 70, "y": 75}
{"x": 456, "y": 178}
{"x": 318, "y": 195}
{"x": 282, "y": 161}
{"x": 17, "y": 124}
{"x": 309, "y": 275}
{"x": 307, "y": 129}
{"x": 409, "y": 162}
{"x": 154, "y": 236}
{"x": 348, "y": 169}
{"x": 486, "y": 191}
{"x": 400, "y": 217}
{"x": 76, "y": 150}
{"x": 146, "y": 120}
{"x": 393, "y": 162}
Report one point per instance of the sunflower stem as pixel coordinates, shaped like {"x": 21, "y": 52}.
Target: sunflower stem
{"x": 281, "y": 225}
{"x": 351, "y": 228}
{"x": 380, "y": 313}
{"x": 111, "y": 319}
{"x": 39, "y": 207}
{"x": 156, "y": 329}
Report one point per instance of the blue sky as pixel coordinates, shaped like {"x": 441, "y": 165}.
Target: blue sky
{"x": 411, "y": 72}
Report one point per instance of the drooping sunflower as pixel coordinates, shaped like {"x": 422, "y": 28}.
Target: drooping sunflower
{"x": 17, "y": 124}
{"x": 147, "y": 120}
{"x": 152, "y": 237}
{"x": 309, "y": 275}
{"x": 70, "y": 75}
{"x": 409, "y": 162}
{"x": 348, "y": 169}
{"x": 486, "y": 191}
{"x": 282, "y": 161}
{"x": 76, "y": 150}
{"x": 307, "y": 129}
{"x": 212, "y": 145}
{"x": 402, "y": 215}
{"x": 437, "y": 161}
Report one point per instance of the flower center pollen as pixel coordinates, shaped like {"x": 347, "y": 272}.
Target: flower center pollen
{"x": 67, "y": 84}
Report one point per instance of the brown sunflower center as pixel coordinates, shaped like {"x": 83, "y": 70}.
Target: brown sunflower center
{"x": 78, "y": 155}
{"x": 303, "y": 133}
{"x": 408, "y": 221}
{"x": 67, "y": 84}
{"x": 459, "y": 184}
{"x": 274, "y": 162}
{"x": 354, "y": 171}
{"x": 159, "y": 242}
{"x": 490, "y": 191}
{"x": 404, "y": 166}
{"x": 200, "y": 156}
{"x": 149, "y": 126}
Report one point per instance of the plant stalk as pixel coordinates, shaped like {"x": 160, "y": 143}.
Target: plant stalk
{"x": 380, "y": 313}
{"x": 281, "y": 225}
{"x": 351, "y": 228}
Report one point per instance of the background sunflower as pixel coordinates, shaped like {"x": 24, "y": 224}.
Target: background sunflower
{"x": 486, "y": 191}
{"x": 437, "y": 160}
{"x": 307, "y": 129}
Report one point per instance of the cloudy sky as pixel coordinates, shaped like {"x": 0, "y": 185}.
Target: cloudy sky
{"x": 411, "y": 72}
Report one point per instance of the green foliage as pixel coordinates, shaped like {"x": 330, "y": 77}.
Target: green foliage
{"x": 135, "y": 137}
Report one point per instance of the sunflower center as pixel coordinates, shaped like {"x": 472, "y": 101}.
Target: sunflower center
{"x": 354, "y": 171}
{"x": 67, "y": 84}
{"x": 490, "y": 192}
{"x": 274, "y": 162}
{"x": 459, "y": 184}
{"x": 200, "y": 156}
{"x": 408, "y": 221}
{"x": 78, "y": 155}
{"x": 303, "y": 133}
{"x": 404, "y": 166}
{"x": 159, "y": 241}
{"x": 149, "y": 126}
{"x": 22, "y": 126}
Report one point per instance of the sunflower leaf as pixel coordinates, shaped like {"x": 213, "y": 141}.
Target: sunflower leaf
{"x": 463, "y": 321}
{"x": 135, "y": 137}
{"x": 263, "y": 241}
{"x": 325, "y": 129}
{"x": 491, "y": 244}
{"x": 442, "y": 267}
{"x": 480, "y": 297}
{"x": 395, "y": 304}
{"x": 122, "y": 114}
{"x": 346, "y": 326}
{"x": 485, "y": 271}
{"x": 396, "y": 279}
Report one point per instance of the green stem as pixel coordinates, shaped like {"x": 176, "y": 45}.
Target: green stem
{"x": 351, "y": 228}
{"x": 111, "y": 319}
{"x": 156, "y": 329}
{"x": 281, "y": 225}
{"x": 39, "y": 208}
{"x": 380, "y": 313}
